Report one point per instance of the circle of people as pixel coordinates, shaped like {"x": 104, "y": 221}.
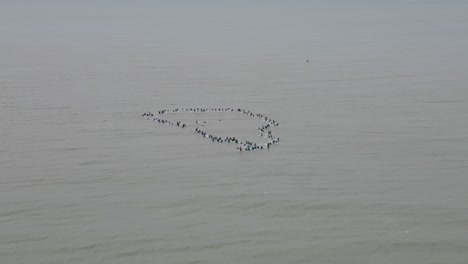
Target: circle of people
{"x": 245, "y": 145}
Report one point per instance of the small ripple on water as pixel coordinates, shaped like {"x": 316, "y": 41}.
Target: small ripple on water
{"x": 23, "y": 239}
{"x": 68, "y": 250}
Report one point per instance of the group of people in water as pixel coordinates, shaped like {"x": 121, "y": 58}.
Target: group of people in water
{"x": 150, "y": 115}
{"x": 245, "y": 145}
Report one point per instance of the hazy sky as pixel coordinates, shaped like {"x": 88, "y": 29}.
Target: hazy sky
{"x": 432, "y": 32}
{"x": 194, "y": 19}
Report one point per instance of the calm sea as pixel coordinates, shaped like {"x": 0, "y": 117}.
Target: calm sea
{"x": 372, "y": 166}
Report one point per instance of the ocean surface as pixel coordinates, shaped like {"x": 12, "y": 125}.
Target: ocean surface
{"x": 372, "y": 166}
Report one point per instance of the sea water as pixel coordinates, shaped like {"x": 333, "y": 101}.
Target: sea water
{"x": 372, "y": 165}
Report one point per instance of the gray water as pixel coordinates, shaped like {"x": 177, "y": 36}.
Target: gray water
{"x": 372, "y": 165}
